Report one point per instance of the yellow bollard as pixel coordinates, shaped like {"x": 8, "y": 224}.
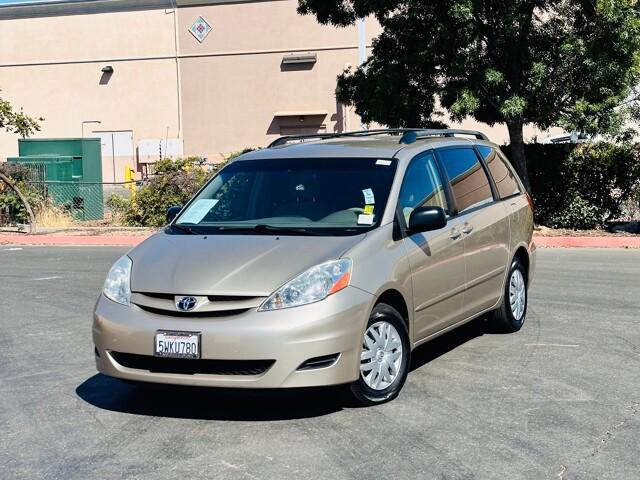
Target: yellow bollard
{"x": 129, "y": 178}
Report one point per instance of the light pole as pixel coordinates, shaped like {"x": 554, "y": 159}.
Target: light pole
{"x": 88, "y": 121}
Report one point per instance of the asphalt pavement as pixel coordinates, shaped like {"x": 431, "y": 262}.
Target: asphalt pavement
{"x": 560, "y": 399}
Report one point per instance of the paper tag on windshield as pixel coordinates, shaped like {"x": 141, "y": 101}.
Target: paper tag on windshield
{"x": 198, "y": 210}
{"x": 386, "y": 163}
{"x": 368, "y": 196}
{"x": 365, "y": 219}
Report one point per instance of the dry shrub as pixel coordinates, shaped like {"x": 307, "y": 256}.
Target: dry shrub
{"x": 52, "y": 216}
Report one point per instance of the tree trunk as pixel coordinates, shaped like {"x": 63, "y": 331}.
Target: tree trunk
{"x": 518, "y": 156}
{"x": 12, "y": 186}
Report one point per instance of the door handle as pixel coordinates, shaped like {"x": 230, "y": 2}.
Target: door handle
{"x": 467, "y": 229}
{"x": 455, "y": 234}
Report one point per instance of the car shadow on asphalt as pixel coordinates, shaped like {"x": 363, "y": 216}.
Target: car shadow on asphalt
{"x": 206, "y": 403}
{"x": 429, "y": 351}
{"x": 203, "y": 403}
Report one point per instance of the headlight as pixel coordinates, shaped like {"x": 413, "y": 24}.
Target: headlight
{"x": 314, "y": 285}
{"x": 117, "y": 286}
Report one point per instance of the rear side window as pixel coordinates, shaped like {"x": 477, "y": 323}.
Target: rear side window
{"x": 469, "y": 182}
{"x": 422, "y": 186}
{"x": 503, "y": 176}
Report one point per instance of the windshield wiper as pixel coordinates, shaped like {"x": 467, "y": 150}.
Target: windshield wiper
{"x": 185, "y": 229}
{"x": 262, "y": 227}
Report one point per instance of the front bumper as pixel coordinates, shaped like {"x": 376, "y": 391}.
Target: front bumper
{"x": 290, "y": 337}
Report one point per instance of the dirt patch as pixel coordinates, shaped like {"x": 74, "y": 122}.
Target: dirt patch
{"x": 542, "y": 231}
{"x": 84, "y": 231}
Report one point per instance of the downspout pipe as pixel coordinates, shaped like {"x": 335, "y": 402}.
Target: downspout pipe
{"x": 362, "y": 52}
{"x": 176, "y": 41}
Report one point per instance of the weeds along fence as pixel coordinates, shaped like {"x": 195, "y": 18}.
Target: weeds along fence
{"x": 58, "y": 203}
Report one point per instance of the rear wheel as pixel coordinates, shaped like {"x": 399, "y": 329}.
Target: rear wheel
{"x": 384, "y": 359}
{"x": 511, "y": 315}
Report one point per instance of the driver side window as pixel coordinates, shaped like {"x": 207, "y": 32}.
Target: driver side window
{"x": 422, "y": 186}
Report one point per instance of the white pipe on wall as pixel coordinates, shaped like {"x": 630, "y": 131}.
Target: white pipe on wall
{"x": 178, "y": 72}
{"x": 362, "y": 51}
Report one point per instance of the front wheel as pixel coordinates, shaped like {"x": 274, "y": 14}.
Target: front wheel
{"x": 384, "y": 359}
{"x": 511, "y": 315}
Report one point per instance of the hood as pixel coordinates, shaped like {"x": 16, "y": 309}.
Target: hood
{"x": 247, "y": 265}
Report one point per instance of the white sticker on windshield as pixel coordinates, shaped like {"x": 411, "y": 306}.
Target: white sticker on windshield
{"x": 369, "y": 199}
{"x": 365, "y": 219}
{"x": 198, "y": 210}
{"x": 386, "y": 163}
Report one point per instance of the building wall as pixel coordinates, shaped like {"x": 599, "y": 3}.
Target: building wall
{"x": 226, "y": 89}
{"x": 218, "y": 96}
{"x": 51, "y": 67}
{"x": 234, "y": 83}
{"x": 76, "y": 38}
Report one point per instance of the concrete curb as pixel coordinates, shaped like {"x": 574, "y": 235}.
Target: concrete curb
{"x": 133, "y": 240}
{"x": 588, "y": 242}
{"x": 76, "y": 240}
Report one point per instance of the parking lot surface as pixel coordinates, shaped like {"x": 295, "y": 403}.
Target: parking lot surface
{"x": 560, "y": 399}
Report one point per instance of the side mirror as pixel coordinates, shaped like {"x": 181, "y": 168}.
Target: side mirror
{"x": 426, "y": 219}
{"x": 173, "y": 213}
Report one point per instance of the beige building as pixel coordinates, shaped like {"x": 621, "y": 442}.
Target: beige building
{"x": 176, "y": 77}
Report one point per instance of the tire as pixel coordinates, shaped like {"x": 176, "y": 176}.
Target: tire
{"x": 510, "y": 317}
{"x": 385, "y": 348}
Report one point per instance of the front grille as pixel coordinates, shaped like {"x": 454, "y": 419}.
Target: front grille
{"x": 162, "y": 296}
{"x": 213, "y": 306}
{"x": 191, "y": 367}
{"x": 212, "y": 298}
{"x": 229, "y": 298}
{"x": 205, "y": 314}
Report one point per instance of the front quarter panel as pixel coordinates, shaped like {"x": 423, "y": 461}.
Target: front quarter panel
{"x": 379, "y": 264}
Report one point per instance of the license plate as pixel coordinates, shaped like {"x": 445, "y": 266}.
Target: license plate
{"x": 177, "y": 344}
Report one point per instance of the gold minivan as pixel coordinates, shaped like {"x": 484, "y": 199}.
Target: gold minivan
{"x": 323, "y": 260}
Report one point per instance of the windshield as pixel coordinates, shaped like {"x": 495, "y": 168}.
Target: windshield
{"x": 328, "y": 196}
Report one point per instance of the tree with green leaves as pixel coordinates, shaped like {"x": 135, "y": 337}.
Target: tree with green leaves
{"x": 24, "y": 125}
{"x": 17, "y": 121}
{"x": 568, "y": 63}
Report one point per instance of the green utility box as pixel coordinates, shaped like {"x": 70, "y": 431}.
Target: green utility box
{"x": 69, "y": 172}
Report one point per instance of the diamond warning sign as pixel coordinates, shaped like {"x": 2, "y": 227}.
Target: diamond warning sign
{"x": 200, "y": 29}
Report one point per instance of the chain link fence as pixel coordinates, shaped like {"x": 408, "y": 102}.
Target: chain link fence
{"x": 57, "y": 203}
{"x": 65, "y": 204}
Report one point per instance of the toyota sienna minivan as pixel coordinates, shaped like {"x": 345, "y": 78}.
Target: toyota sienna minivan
{"x": 323, "y": 260}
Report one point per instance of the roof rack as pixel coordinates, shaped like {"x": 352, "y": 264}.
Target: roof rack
{"x": 409, "y": 135}
{"x": 324, "y": 136}
{"x": 412, "y": 135}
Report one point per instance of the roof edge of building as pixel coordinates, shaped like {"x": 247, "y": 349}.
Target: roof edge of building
{"x": 55, "y": 8}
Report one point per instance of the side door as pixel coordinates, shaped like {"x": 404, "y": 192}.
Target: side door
{"x": 484, "y": 225}
{"x": 436, "y": 258}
